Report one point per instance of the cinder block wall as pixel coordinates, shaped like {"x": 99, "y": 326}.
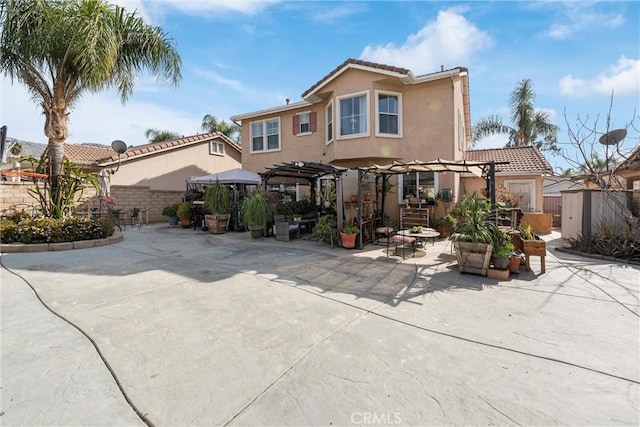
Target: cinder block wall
{"x": 126, "y": 197}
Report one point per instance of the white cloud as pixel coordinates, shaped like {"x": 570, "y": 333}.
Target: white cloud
{"x": 237, "y": 87}
{"x": 450, "y": 40}
{"x": 621, "y": 78}
{"x": 582, "y": 16}
{"x": 343, "y": 10}
{"x": 249, "y": 7}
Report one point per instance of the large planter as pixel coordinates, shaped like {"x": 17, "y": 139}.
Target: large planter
{"x": 473, "y": 257}
{"x": 348, "y": 240}
{"x": 256, "y": 232}
{"x": 218, "y": 224}
{"x": 173, "y": 220}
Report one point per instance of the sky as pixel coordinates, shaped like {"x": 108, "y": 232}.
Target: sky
{"x": 243, "y": 56}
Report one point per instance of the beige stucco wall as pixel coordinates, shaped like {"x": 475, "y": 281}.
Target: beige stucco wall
{"x": 469, "y": 184}
{"x": 428, "y": 116}
{"x": 169, "y": 170}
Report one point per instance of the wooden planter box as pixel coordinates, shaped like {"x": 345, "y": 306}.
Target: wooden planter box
{"x": 537, "y": 247}
{"x": 473, "y": 257}
{"x": 218, "y": 224}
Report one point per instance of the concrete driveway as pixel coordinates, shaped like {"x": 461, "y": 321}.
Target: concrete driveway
{"x": 175, "y": 327}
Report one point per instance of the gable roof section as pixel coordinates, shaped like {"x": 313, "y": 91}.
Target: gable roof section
{"x": 632, "y": 164}
{"x": 521, "y": 159}
{"x": 403, "y": 74}
{"x": 140, "y": 151}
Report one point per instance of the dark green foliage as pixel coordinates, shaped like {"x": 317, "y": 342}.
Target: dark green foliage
{"x": 51, "y": 230}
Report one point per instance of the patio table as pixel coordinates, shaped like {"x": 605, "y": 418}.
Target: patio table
{"x": 422, "y": 236}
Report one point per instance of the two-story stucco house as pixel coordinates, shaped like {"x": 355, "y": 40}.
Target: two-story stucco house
{"x": 364, "y": 113}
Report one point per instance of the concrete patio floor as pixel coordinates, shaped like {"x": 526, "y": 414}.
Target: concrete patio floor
{"x": 188, "y": 328}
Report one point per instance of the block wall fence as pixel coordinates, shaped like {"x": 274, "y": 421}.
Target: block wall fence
{"x": 126, "y": 197}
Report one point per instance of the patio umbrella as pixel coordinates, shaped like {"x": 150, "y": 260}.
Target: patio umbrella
{"x": 105, "y": 184}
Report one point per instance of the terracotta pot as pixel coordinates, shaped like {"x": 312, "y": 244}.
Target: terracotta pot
{"x": 348, "y": 240}
{"x": 514, "y": 264}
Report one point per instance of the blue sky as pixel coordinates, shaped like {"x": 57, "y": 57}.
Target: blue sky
{"x": 242, "y": 56}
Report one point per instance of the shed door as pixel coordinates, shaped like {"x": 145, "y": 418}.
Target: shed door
{"x": 571, "y": 214}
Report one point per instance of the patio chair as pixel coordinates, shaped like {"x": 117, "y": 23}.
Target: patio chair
{"x": 285, "y": 229}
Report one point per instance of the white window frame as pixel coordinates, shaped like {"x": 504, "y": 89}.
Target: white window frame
{"x": 338, "y": 130}
{"x": 533, "y": 190}
{"x": 300, "y": 123}
{"x": 328, "y": 111}
{"x": 388, "y": 93}
{"x": 436, "y": 186}
{"x": 216, "y": 148}
{"x": 265, "y": 136}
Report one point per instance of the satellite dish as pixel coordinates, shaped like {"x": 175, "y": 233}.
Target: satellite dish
{"x": 119, "y": 146}
{"x": 613, "y": 137}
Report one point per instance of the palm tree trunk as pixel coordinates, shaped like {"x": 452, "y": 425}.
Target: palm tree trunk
{"x": 56, "y": 129}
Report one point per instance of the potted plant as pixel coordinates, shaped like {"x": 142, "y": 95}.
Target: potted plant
{"x": 348, "y": 236}
{"x": 171, "y": 211}
{"x": 326, "y": 229}
{"x": 474, "y": 248}
{"x": 184, "y": 212}
{"x": 502, "y": 250}
{"x": 255, "y": 212}
{"x": 445, "y": 225}
{"x": 217, "y": 199}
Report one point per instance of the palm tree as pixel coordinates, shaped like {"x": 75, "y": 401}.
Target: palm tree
{"x": 63, "y": 49}
{"x": 568, "y": 172}
{"x": 529, "y": 125}
{"x": 211, "y": 124}
{"x": 155, "y": 135}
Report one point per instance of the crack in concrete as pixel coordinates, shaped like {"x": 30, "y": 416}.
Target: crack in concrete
{"x": 499, "y": 411}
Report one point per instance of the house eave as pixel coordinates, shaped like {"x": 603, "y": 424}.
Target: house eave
{"x": 270, "y": 111}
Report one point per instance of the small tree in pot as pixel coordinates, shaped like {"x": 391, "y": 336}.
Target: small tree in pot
{"x": 217, "y": 199}
{"x": 184, "y": 213}
{"x": 255, "y": 212}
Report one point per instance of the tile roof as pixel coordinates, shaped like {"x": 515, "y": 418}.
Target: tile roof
{"x": 521, "y": 159}
{"x": 352, "y": 61}
{"x": 632, "y": 163}
{"x": 84, "y": 154}
{"x": 142, "y": 150}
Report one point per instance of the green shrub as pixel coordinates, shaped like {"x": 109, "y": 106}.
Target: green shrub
{"x": 49, "y": 230}
{"x": 8, "y": 231}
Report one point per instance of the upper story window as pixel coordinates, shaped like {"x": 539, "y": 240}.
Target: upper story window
{"x": 329, "y": 115}
{"x": 265, "y": 135}
{"x": 353, "y": 111}
{"x": 304, "y": 123}
{"x": 217, "y": 148}
{"x": 389, "y": 114}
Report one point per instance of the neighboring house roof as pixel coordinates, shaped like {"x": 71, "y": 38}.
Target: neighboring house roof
{"x": 632, "y": 164}
{"x": 84, "y": 154}
{"x": 158, "y": 147}
{"x": 521, "y": 159}
{"x": 553, "y": 185}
